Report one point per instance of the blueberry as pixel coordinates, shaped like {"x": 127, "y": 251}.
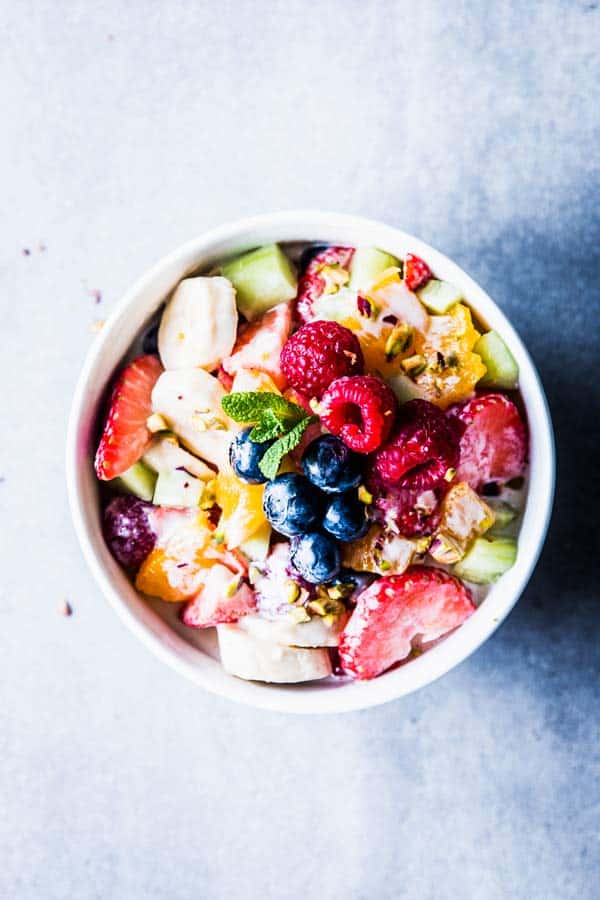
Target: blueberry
{"x": 150, "y": 342}
{"x": 309, "y": 254}
{"x": 331, "y": 465}
{"x": 291, "y": 504}
{"x": 245, "y": 455}
{"x": 345, "y": 518}
{"x": 316, "y": 557}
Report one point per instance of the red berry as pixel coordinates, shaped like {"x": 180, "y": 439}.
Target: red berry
{"x": 259, "y": 344}
{"x": 312, "y": 283}
{"x": 493, "y": 446}
{"x": 395, "y": 609}
{"x": 125, "y": 436}
{"x": 360, "y": 410}
{"x": 416, "y": 272}
{"x": 317, "y": 354}
{"x": 407, "y": 512}
{"x": 421, "y": 452}
{"x": 129, "y": 530}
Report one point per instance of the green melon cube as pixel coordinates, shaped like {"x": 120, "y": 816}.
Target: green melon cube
{"x": 262, "y": 278}
{"x": 502, "y": 368}
{"x": 439, "y": 296}
{"x": 138, "y": 480}
{"x": 487, "y": 559}
{"x": 367, "y": 265}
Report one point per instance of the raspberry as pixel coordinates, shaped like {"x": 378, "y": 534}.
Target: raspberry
{"x": 416, "y": 272}
{"x": 128, "y": 530}
{"x": 360, "y": 410}
{"x": 421, "y": 452}
{"x": 312, "y": 283}
{"x": 493, "y": 446}
{"x": 317, "y": 354}
{"x": 393, "y": 611}
{"x": 406, "y": 512}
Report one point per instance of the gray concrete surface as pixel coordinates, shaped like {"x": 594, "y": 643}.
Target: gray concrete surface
{"x": 130, "y": 127}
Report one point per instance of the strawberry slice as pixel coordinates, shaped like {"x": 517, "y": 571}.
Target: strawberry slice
{"x": 416, "y": 272}
{"x": 125, "y": 436}
{"x": 260, "y": 343}
{"x": 220, "y": 601}
{"x": 313, "y": 281}
{"x": 493, "y": 446}
{"x": 394, "y": 610}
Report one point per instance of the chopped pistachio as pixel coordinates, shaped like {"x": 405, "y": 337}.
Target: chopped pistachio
{"x": 399, "y": 340}
{"x": 445, "y": 549}
{"x": 218, "y": 537}
{"x": 334, "y": 277}
{"x": 450, "y": 473}
{"x": 367, "y": 307}
{"x": 422, "y": 544}
{"x": 317, "y": 607}
{"x": 414, "y": 365}
{"x": 341, "y": 591}
{"x": 299, "y": 615}
{"x": 364, "y": 495}
{"x": 385, "y": 565}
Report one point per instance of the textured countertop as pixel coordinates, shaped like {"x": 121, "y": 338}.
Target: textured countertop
{"x": 129, "y": 128}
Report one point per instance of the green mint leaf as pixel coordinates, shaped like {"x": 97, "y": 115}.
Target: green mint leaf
{"x": 269, "y": 464}
{"x": 270, "y": 426}
{"x": 249, "y": 406}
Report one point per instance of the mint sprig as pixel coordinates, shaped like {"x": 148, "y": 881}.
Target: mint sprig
{"x": 250, "y": 406}
{"x": 274, "y": 418}
{"x": 269, "y": 464}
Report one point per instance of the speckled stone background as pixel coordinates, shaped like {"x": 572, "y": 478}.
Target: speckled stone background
{"x": 128, "y": 128}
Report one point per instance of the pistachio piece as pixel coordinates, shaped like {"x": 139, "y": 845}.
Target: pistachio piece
{"x": 414, "y": 365}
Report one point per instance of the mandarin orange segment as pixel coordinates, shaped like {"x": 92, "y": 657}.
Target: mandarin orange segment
{"x": 450, "y": 367}
{"x": 165, "y": 577}
{"x": 241, "y": 506}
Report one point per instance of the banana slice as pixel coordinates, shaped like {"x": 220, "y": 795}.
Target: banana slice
{"x": 246, "y": 657}
{"x": 199, "y": 324}
{"x": 189, "y": 400}
{"x": 165, "y": 454}
{"x": 283, "y": 630}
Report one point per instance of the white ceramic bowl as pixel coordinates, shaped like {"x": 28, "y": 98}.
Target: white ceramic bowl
{"x": 193, "y": 653}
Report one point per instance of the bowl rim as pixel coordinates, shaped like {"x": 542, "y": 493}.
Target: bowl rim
{"x": 316, "y": 697}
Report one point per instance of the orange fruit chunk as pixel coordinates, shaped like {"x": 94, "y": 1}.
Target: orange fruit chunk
{"x": 241, "y": 508}
{"x": 164, "y": 576}
{"x": 175, "y": 569}
{"x": 451, "y": 368}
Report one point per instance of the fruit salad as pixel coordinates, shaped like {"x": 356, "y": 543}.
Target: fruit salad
{"x": 319, "y": 452}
